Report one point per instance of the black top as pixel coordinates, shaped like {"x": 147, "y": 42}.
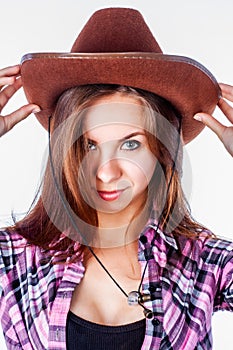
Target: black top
{"x": 85, "y": 335}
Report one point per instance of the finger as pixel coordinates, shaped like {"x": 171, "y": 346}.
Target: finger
{"x": 226, "y": 109}
{"x": 228, "y": 139}
{"x": 8, "y": 92}
{"x": 8, "y": 75}
{"x": 227, "y": 91}
{"x": 9, "y": 71}
{"x": 211, "y": 123}
{"x": 9, "y": 121}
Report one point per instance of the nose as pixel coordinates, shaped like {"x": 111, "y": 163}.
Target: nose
{"x": 109, "y": 171}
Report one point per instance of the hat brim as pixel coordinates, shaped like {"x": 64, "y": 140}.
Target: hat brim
{"x": 186, "y": 83}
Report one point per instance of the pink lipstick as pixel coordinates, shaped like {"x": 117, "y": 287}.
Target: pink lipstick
{"x": 110, "y": 195}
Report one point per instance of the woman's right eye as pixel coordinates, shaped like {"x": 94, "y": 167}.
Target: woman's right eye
{"x": 91, "y": 146}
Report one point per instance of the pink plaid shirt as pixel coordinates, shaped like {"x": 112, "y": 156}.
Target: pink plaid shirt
{"x": 187, "y": 281}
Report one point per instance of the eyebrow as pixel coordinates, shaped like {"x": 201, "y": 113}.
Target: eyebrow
{"x": 132, "y": 135}
{"x": 129, "y": 136}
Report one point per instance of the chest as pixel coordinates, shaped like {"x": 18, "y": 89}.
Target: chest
{"x": 102, "y": 299}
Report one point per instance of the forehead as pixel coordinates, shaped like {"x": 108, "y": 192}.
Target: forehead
{"x": 115, "y": 111}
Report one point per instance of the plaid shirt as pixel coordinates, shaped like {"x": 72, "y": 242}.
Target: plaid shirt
{"x": 187, "y": 282}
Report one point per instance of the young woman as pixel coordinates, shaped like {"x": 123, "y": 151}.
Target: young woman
{"x": 109, "y": 256}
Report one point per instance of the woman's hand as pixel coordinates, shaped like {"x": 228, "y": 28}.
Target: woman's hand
{"x": 225, "y": 133}
{"x": 10, "y": 82}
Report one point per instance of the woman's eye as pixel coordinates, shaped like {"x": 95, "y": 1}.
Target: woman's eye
{"x": 91, "y": 146}
{"x": 130, "y": 145}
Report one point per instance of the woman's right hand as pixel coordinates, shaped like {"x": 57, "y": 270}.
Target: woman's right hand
{"x": 10, "y": 82}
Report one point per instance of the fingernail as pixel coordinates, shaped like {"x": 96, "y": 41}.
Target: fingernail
{"x": 36, "y": 110}
{"x": 198, "y": 117}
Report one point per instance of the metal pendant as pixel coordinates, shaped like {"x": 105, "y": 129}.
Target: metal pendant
{"x": 133, "y": 298}
{"x": 148, "y": 313}
{"x": 143, "y": 298}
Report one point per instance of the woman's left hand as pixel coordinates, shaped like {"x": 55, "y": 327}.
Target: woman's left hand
{"x": 225, "y": 133}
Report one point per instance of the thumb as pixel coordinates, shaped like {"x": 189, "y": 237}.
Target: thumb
{"x": 10, "y": 120}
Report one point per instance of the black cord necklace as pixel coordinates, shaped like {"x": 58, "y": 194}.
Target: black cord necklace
{"x": 133, "y": 297}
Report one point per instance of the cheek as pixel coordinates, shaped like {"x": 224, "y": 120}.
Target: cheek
{"x": 140, "y": 171}
{"x": 89, "y": 165}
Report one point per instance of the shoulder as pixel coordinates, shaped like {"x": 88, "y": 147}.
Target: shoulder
{"x": 206, "y": 248}
{"x": 211, "y": 243}
{"x": 208, "y": 252}
{"x": 11, "y": 240}
{"x": 217, "y": 250}
{"x": 14, "y": 248}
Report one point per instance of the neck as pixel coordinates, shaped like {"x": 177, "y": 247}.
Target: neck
{"x": 128, "y": 262}
{"x": 117, "y": 231}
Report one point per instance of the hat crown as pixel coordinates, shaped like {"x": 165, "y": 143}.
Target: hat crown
{"x": 117, "y": 47}
{"x": 116, "y": 30}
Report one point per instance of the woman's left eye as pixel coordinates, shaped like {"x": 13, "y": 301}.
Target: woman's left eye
{"x": 130, "y": 145}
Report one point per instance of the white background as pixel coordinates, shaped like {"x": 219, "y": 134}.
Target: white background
{"x": 201, "y": 29}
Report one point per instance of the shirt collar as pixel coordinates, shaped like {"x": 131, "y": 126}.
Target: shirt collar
{"x": 167, "y": 237}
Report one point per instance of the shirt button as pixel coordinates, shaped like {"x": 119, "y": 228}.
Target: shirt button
{"x": 143, "y": 239}
{"x": 57, "y": 334}
{"x": 153, "y": 289}
{"x": 155, "y": 322}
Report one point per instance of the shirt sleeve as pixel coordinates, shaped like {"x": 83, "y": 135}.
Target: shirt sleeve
{"x": 224, "y": 292}
{"x": 3, "y": 245}
{"x": 11, "y": 245}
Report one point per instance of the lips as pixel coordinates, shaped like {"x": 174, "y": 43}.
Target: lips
{"x": 110, "y": 195}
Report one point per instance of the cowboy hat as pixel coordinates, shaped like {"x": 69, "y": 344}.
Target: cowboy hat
{"x": 117, "y": 47}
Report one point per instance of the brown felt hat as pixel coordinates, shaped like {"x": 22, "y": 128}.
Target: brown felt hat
{"x": 117, "y": 47}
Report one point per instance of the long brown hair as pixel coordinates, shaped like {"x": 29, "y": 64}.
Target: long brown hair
{"x": 47, "y": 222}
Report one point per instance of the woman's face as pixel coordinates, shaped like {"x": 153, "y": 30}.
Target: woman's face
{"x": 119, "y": 164}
